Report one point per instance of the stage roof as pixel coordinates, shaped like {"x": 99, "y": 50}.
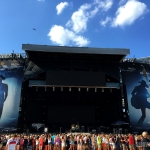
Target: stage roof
{"x": 44, "y": 53}
{"x": 101, "y": 54}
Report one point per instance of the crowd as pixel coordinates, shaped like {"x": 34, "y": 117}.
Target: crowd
{"x": 75, "y": 142}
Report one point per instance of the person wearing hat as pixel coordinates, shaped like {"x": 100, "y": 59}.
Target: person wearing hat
{"x": 139, "y": 100}
{"x": 3, "y": 93}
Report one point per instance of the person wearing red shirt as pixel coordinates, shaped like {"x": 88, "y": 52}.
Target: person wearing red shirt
{"x": 41, "y": 142}
{"x": 131, "y": 142}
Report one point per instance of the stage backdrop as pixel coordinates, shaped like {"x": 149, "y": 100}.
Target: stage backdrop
{"x": 11, "y": 73}
{"x": 137, "y": 81}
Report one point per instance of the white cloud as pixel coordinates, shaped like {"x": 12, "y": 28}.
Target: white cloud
{"x": 127, "y": 14}
{"x": 80, "y": 18}
{"x": 104, "y": 22}
{"x": 61, "y": 6}
{"x": 62, "y": 36}
{"x": 72, "y": 33}
{"x": 105, "y": 5}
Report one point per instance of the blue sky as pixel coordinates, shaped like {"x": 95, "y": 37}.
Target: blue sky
{"x": 84, "y": 23}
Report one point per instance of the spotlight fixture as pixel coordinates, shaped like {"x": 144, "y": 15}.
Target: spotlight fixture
{"x": 87, "y": 89}
{"x": 79, "y": 89}
{"x": 70, "y": 89}
{"x": 36, "y": 88}
{"x": 45, "y": 88}
{"x": 53, "y": 88}
{"x": 61, "y": 89}
{"x": 102, "y": 90}
{"x": 95, "y": 89}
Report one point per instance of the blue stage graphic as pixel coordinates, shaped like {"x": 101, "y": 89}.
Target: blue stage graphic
{"x": 138, "y": 95}
{"x": 10, "y": 88}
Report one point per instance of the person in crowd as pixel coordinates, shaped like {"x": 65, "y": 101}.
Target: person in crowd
{"x": 11, "y": 143}
{"x": 41, "y": 142}
{"x": 21, "y": 143}
{"x": 123, "y": 143}
{"x": 85, "y": 146}
{"x": 99, "y": 142}
{"x": 25, "y": 143}
{"x": 71, "y": 143}
{"x": 30, "y": 138}
{"x": 131, "y": 142}
{"x": 145, "y": 141}
{"x": 50, "y": 142}
{"x": 57, "y": 142}
{"x": 37, "y": 143}
{"x": 18, "y": 142}
{"x": 33, "y": 143}
{"x": 63, "y": 143}
{"x": 93, "y": 142}
{"x": 4, "y": 142}
{"x": 112, "y": 143}
{"x": 46, "y": 142}
{"x": 138, "y": 142}
{"x": 75, "y": 142}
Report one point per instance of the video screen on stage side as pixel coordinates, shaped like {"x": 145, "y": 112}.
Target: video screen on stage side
{"x": 11, "y": 73}
{"x": 138, "y": 96}
{"x": 75, "y": 78}
{"x": 71, "y": 114}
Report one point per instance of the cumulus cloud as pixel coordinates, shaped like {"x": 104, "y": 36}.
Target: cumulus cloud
{"x": 61, "y": 6}
{"x": 80, "y": 18}
{"x": 105, "y": 5}
{"x": 63, "y": 36}
{"x": 127, "y": 14}
{"x": 71, "y": 34}
{"x": 104, "y": 22}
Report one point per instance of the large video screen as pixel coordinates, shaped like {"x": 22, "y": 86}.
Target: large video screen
{"x": 75, "y": 78}
{"x": 137, "y": 82}
{"x": 11, "y": 74}
{"x": 71, "y": 114}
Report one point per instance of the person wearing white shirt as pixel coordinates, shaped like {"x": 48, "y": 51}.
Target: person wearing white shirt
{"x": 11, "y": 143}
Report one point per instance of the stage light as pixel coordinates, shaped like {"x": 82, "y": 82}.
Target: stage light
{"x": 53, "y": 88}
{"x": 110, "y": 90}
{"x": 36, "y": 88}
{"x": 70, "y": 89}
{"x": 102, "y": 90}
{"x": 79, "y": 89}
{"x": 61, "y": 89}
{"x": 95, "y": 89}
{"x": 45, "y": 88}
{"x": 87, "y": 89}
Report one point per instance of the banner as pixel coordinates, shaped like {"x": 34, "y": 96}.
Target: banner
{"x": 11, "y": 73}
{"x": 137, "y": 81}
